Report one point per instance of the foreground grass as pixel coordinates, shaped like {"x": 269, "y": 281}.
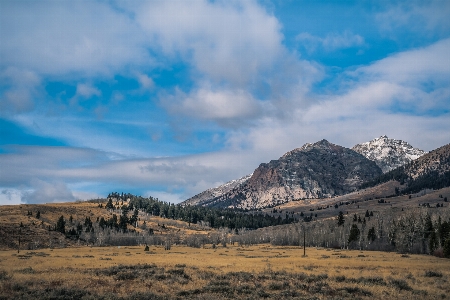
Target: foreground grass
{"x": 234, "y": 272}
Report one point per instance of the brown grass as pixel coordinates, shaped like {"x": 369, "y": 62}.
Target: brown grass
{"x": 233, "y": 272}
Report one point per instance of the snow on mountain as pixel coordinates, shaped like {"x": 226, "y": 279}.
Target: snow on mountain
{"x": 204, "y": 197}
{"x": 388, "y": 153}
{"x": 318, "y": 170}
{"x": 311, "y": 171}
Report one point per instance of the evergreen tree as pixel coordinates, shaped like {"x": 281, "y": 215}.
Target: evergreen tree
{"x": 109, "y": 205}
{"x": 447, "y": 248}
{"x": 38, "y": 215}
{"x": 340, "y": 218}
{"x": 371, "y": 235}
{"x": 61, "y": 225}
{"x": 433, "y": 242}
{"x": 428, "y": 228}
{"x": 444, "y": 231}
{"x": 134, "y": 218}
{"x": 354, "y": 233}
{"x": 123, "y": 221}
{"x": 102, "y": 223}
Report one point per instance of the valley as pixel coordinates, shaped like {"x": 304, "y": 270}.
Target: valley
{"x": 254, "y": 272}
{"x": 366, "y": 233}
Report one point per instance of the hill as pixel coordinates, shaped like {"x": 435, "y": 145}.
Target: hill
{"x": 317, "y": 170}
{"x": 35, "y": 225}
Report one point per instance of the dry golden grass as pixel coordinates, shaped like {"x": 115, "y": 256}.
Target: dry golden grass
{"x": 231, "y": 272}
{"x": 35, "y": 233}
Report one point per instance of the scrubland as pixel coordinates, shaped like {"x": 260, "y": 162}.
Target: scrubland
{"x": 254, "y": 272}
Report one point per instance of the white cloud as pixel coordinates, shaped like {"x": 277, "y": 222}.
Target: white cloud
{"x": 60, "y": 38}
{"x": 332, "y": 42}
{"x": 10, "y": 197}
{"x": 223, "y": 106}
{"x": 420, "y": 77}
{"x": 20, "y": 86}
{"x": 145, "y": 81}
{"x": 86, "y": 90}
{"x": 426, "y": 18}
{"x": 225, "y": 40}
{"x": 45, "y": 192}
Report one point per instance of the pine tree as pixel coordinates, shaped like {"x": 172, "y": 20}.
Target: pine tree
{"x": 61, "y": 225}
{"x": 340, "y": 218}
{"x": 109, "y": 205}
{"x": 354, "y": 233}
{"x": 433, "y": 242}
{"x": 447, "y": 248}
{"x": 428, "y": 226}
{"x": 371, "y": 236}
{"x": 38, "y": 214}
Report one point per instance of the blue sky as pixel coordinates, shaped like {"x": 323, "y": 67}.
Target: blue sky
{"x": 169, "y": 98}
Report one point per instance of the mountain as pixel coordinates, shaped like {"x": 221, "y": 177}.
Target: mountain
{"x": 430, "y": 171}
{"x": 388, "y": 153}
{"x": 315, "y": 170}
{"x": 204, "y": 198}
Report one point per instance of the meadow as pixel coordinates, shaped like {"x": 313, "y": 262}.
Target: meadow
{"x": 254, "y": 272}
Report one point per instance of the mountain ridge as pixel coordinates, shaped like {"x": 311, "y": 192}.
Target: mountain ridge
{"x": 388, "y": 153}
{"x": 318, "y": 170}
{"x": 247, "y": 192}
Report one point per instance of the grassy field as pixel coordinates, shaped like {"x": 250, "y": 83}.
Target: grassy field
{"x": 254, "y": 272}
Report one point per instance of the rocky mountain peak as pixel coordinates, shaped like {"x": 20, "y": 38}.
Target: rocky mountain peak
{"x": 323, "y": 144}
{"x": 388, "y": 153}
{"x": 318, "y": 170}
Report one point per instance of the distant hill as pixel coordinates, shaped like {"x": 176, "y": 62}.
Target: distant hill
{"x": 430, "y": 171}
{"x": 316, "y": 170}
{"x": 388, "y": 153}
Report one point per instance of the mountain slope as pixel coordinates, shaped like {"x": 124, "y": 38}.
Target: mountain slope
{"x": 315, "y": 170}
{"x": 388, "y": 153}
{"x": 205, "y": 196}
{"x": 430, "y": 171}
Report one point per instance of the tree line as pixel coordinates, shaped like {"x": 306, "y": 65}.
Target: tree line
{"x": 214, "y": 217}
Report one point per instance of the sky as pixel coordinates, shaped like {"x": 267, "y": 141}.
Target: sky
{"x": 169, "y": 98}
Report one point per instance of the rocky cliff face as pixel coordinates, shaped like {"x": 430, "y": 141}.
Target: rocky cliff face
{"x": 315, "y": 170}
{"x": 204, "y": 198}
{"x": 388, "y": 153}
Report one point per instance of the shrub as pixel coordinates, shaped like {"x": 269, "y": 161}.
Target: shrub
{"x": 275, "y": 286}
{"x": 357, "y": 290}
{"x": 400, "y": 284}
{"x": 4, "y": 275}
{"x": 433, "y": 274}
{"x": 126, "y": 275}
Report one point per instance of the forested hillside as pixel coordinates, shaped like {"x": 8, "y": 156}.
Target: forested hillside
{"x": 215, "y": 218}
{"x": 431, "y": 171}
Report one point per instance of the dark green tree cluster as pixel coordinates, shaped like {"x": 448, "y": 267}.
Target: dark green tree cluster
{"x": 438, "y": 235}
{"x": 340, "y": 219}
{"x": 216, "y": 218}
{"x": 354, "y": 234}
{"x": 61, "y": 225}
